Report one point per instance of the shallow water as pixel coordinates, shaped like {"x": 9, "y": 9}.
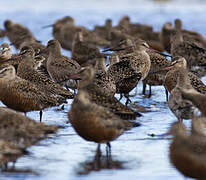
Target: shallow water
{"x": 135, "y": 155}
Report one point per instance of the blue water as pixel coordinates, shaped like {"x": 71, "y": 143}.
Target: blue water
{"x": 67, "y": 156}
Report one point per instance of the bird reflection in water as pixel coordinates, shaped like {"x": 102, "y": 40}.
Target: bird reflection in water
{"x": 99, "y": 162}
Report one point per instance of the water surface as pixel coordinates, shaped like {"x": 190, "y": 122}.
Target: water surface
{"x": 135, "y": 155}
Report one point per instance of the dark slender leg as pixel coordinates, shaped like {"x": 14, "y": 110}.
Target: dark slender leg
{"x": 108, "y": 149}
{"x": 167, "y": 95}
{"x": 98, "y": 152}
{"x": 128, "y": 100}
{"x": 25, "y": 113}
{"x": 97, "y": 159}
{"x": 150, "y": 91}
{"x": 40, "y": 115}
{"x": 144, "y": 86}
{"x": 13, "y": 165}
{"x": 62, "y": 108}
{"x": 120, "y": 96}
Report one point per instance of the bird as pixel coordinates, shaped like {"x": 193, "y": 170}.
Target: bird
{"x": 104, "y": 31}
{"x": 82, "y": 52}
{"x": 156, "y": 75}
{"x": 165, "y": 34}
{"x": 18, "y": 34}
{"x": 175, "y": 68}
{"x": 105, "y": 82}
{"x": 22, "y": 95}
{"x": 94, "y": 122}
{"x": 60, "y": 67}
{"x": 5, "y": 52}
{"x": 132, "y": 68}
{"x": 198, "y": 99}
{"x": 194, "y": 55}
{"x": 89, "y": 83}
{"x": 187, "y": 152}
{"x": 28, "y": 70}
{"x": 17, "y": 133}
{"x": 182, "y": 108}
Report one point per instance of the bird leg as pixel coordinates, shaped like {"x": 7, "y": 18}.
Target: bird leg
{"x": 167, "y": 95}
{"x": 120, "y": 96}
{"x": 150, "y": 91}
{"x": 144, "y": 86}
{"x": 128, "y": 100}
{"x": 40, "y": 113}
{"x": 108, "y": 149}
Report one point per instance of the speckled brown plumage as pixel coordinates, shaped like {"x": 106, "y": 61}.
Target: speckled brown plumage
{"x": 156, "y": 75}
{"x": 171, "y": 80}
{"x": 21, "y": 95}
{"x": 104, "y": 99}
{"x": 27, "y": 70}
{"x": 82, "y": 52}
{"x": 102, "y": 80}
{"x": 194, "y": 54}
{"x": 182, "y": 108}
{"x": 60, "y": 67}
{"x": 132, "y": 68}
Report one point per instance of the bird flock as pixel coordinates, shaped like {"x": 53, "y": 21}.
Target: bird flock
{"x": 40, "y": 77}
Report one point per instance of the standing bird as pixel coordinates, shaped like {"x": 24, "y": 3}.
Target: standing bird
{"x": 21, "y": 95}
{"x": 94, "y": 122}
{"x": 82, "y": 52}
{"x": 90, "y": 84}
{"x": 195, "y": 55}
{"x": 182, "y": 108}
{"x": 175, "y": 69}
{"x": 27, "y": 70}
{"x": 132, "y": 68}
{"x": 60, "y": 67}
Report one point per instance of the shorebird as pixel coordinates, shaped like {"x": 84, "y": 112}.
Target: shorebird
{"x": 21, "y": 130}
{"x": 165, "y": 34}
{"x": 17, "y": 132}
{"x": 104, "y": 31}
{"x": 198, "y": 99}
{"x": 18, "y": 33}
{"x": 168, "y": 30}
{"x": 187, "y": 152}
{"x": 156, "y": 75}
{"x": 191, "y": 36}
{"x": 21, "y": 95}
{"x": 175, "y": 68}
{"x": 82, "y": 52}
{"x": 195, "y": 55}
{"x": 132, "y": 68}
{"x": 107, "y": 100}
{"x": 182, "y": 108}
{"x": 94, "y": 122}
{"x": 9, "y": 152}
{"x": 60, "y": 67}
{"x": 102, "y": 80}
{"x": 5, "y": 51}
{"x": 27, "y": 70}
